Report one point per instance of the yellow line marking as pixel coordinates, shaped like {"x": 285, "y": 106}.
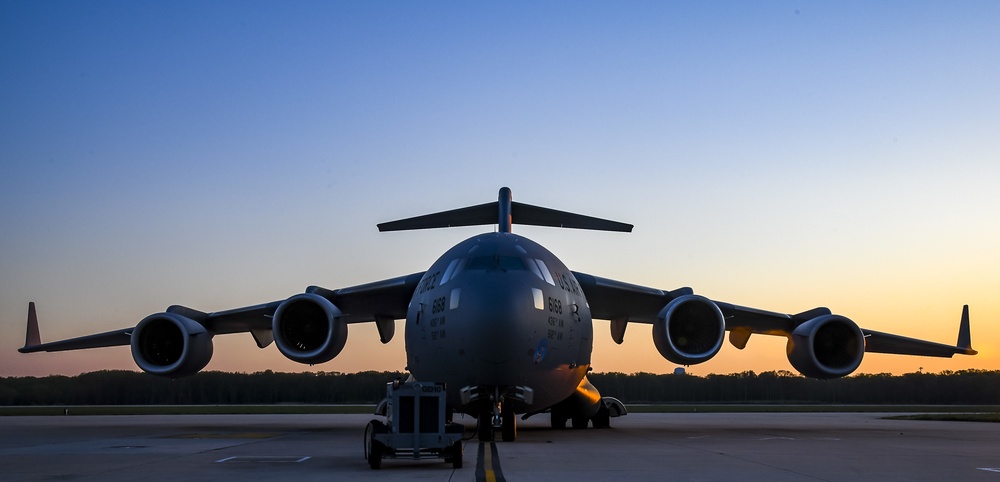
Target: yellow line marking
{"x": 488, "y": 463}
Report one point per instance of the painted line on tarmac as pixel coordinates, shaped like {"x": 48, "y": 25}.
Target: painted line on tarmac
{"x": 488, "y": 464}
{"x": 281, "y": 459}
{"x": 224, "y": 435}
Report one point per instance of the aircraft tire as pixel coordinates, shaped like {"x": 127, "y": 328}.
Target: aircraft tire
{"x": 580, "y": 423}
{"x": 602, "y": 419}
{"x": 485, "y": 427}
{"x": 509, "y": 428}
{"x": 558, "y": 422}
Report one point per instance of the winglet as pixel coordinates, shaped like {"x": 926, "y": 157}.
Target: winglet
{"x": 31, "y": 337}
{"x": 964, "y": 333}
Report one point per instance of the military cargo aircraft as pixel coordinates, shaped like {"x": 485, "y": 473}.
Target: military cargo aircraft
{"x": 503, "y": 323}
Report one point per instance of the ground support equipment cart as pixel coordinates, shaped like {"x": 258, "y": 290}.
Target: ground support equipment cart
{"x": 415, "y": 426}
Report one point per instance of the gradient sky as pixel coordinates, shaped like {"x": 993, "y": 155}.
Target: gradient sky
{"x": 781, "y": 155}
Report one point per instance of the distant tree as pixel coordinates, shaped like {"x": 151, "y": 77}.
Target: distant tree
{"x": 267, "y": 387}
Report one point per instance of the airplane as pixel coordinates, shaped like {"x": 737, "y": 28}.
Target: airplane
{"x": 504, "y": 324}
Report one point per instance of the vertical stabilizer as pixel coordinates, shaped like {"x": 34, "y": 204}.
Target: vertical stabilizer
{"x": 504, "y": 220}
{"x": 31, "y": 338}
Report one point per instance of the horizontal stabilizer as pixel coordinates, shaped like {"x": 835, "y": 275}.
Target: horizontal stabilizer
{"x": 470, "y": 216}
{"x": 539, "y": 216}
{"x": 495, "y": 213}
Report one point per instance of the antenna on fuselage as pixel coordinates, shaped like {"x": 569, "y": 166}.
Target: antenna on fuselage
{"x": 505, "y": 212}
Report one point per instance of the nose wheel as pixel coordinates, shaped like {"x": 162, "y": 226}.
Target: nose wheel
{"x": 485, "y": 426}
{"x": 508, "y": 427}
{"x": 499, "y": 415}
{"x": 496, "y": 407}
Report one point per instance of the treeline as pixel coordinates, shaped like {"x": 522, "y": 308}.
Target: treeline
{"x": 974, "y": 387}
{"x": 967, "y": 387}
{"x": 122, "y": 387}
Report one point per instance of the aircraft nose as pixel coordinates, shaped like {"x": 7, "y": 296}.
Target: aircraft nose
{"x": 497, "y": 315}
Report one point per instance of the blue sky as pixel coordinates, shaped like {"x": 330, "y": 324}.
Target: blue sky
{"x": 783, "y": 155}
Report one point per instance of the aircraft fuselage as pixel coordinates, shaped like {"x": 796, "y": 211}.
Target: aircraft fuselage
{"x": 499, "y": 310}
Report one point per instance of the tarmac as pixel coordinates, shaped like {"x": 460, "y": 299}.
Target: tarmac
{"x": 689, "y": 446}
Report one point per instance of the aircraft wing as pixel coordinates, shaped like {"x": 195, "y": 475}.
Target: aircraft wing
{"x": 617, "y": 300}
{"x": 623, "y": 302}
{"x": 878, "y": 342}
{"x": 370, "y": 302}
{"x": 382, "y": 301}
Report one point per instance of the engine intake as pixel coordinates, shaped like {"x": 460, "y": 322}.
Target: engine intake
{"x": 171, "y": 345}
{"x": 689, "y": 330}
{"x": 828, "y": 346}
{"x": 307, "y": 329}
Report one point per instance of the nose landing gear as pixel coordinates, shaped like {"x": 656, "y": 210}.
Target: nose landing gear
{"x": 497, "y": 409}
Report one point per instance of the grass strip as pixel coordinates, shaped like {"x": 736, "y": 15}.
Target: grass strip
{"x": 951, "y": 417}
{"x": 804, "y": 408}
{"x": 185, "y": 410}
{"x": 51, "y": 410}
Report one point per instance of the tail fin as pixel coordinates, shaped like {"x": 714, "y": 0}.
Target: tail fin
{"x": 504, "y": 213}
{"x": 31, "y": 337}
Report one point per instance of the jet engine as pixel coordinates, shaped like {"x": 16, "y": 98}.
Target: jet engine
{"x": 689, "y": 330}
{"x": 828, "y": 346}
{"x": 170, "y": 345}
{"x": 307, "y": 329}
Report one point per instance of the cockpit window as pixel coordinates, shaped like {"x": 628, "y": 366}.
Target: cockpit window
{"x": 545, "y": 272}
{"x": 491, "y": 263}
{"x": 511, "y": 263}
{"x": 482, "y": 263}
{"x": 454, "y": 267}
{"x": 533, "y": 267}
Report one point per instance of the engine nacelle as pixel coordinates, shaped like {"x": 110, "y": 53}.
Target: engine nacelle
{"x": 828, "y": 346}
{"x": 689, "y": 330}
{"x": 307, "y": 329}
{"x": 171, "y": 345}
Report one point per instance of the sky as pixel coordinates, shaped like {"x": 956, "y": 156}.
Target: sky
{"x": 780, "y": 155}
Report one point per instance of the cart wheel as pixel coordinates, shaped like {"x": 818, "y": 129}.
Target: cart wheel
{"x": 375, "y": 456}
{"x": 457, "y": 452}
{"x": 369, "y": 432}
{"x": 373, "y": 448}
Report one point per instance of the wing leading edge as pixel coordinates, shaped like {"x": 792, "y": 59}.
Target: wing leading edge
{"x": 33, "y": 343}
{"x": 382, "y": 302}
{"x": 878, "y": 342}
{"x": 623, "y": 302}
